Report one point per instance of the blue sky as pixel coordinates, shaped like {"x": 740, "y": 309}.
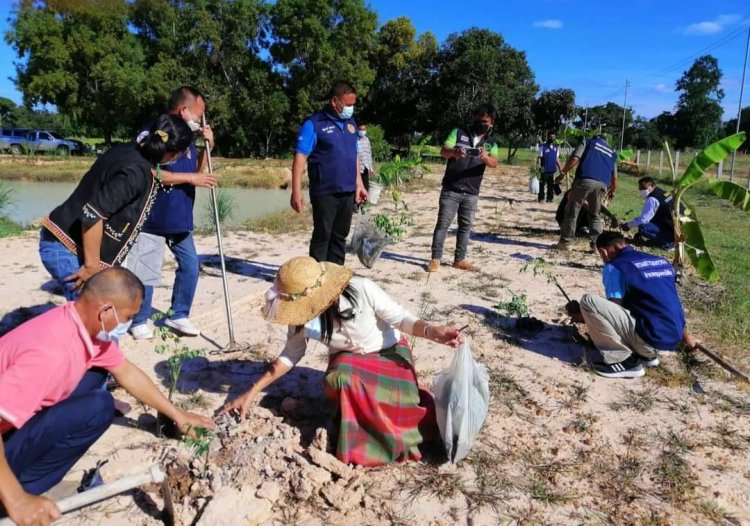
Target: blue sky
{"x": 589, "y": 46}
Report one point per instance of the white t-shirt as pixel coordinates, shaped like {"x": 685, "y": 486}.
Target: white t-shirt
{"x": 377, "y": 324}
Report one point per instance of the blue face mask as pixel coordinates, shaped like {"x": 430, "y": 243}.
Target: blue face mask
{"x": 114, "y": 335}
{"x": 362, "y": 133}
{"x": 346, "y": 111}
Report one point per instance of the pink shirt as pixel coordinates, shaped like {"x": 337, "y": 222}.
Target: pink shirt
{"x": 43, "y": 360}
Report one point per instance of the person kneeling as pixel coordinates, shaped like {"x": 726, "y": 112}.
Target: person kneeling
{"x": 384, "y": 415}
{"x": 53, "y": 406}
{"x": 655, "y": 224}
{"x": 641, "y": 315}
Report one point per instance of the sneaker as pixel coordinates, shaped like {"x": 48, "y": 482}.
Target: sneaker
{"x": 433, "y": 265}
{"x": 562, "y": 246}
{"x": 142, "y": 331}
{"x": 465, "y": 265}
{"x": 183, "y": 326}
{"x": 629, "y": 368}
{"x": 653, "y": 362}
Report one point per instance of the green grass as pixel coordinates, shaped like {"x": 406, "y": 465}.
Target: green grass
{"x": 727, "y": 233}
{"x": 284, "y": 222}
{"x": 9, "y": 227}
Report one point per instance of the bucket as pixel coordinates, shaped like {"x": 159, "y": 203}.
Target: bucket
{"x": 373, "y": 195}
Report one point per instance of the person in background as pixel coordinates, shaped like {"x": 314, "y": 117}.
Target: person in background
{"x": 641, "y": 315}
{"x": 96, "y": 226}
{"x": 655, "y": 224}
{"x": 549, "y": 162}
{"x": 171, "y": 220}
{"x": 366, "y": 165}
{"x": 469, "y": 153}
{"x": 52, "y": 405}
{"x": 384, "y": 416}
{"x": 327, "y": 144}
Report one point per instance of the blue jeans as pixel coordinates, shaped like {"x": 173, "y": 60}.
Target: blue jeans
{"x": 452, "y": 203}
{"x": 185, "y": 280}
{"x": 656, "y": 235}
{"x": 59, "y": 262}
{"x": 42, "y": 451}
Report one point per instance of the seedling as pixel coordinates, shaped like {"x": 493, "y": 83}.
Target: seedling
{"x": 200, "y": 445}
{"x": 516, "y": 307}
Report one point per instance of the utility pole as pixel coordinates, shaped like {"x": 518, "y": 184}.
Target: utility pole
{"x": 739, "y": 109}
{"x": 624, "y": 112}
{"x": 586, "y": 118}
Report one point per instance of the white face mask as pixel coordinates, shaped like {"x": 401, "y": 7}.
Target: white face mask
{"x": 644, "y": 193}
{"x": 193, "y": 125}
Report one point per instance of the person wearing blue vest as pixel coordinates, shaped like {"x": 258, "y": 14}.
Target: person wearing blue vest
{"x": 596, "y": 176}
{"x": 549, "y": 155}
{"x": 641, "y": 314}
{"x": 655, "y": 224}
{"x": 327, "y": 144}
{"x": 171, "y": 220}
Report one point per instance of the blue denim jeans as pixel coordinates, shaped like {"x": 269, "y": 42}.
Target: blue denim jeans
{"x": 656, "y": 235}
{"x": 185, "y": 280}
{"x": 59, "y": 262}
{"x": 42, "y": 451}
{"x": 451, "y": 204}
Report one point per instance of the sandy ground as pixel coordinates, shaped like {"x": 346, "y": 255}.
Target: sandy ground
{"x": 560, "y": 445}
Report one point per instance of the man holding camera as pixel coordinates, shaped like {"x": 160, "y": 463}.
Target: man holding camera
{"x": 469, "y": 151}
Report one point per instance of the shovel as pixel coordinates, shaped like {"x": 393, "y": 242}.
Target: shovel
{"x": 153, "y": 475}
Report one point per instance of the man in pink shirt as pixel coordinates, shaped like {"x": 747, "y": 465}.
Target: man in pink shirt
{"x": 52, "y": 405}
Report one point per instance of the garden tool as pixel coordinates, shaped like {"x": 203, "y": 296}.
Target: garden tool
{"x": 153, "y": 475}
{"x": 723, "y": 363}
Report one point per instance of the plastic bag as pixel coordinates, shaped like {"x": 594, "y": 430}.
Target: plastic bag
{"x": 368, "y": 242}
{"x": 462, "y": 397}
{"x": 534, "y": 185}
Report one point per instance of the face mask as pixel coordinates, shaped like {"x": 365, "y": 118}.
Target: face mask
{"x": 120, "y": 330}
{"x": 362, "y": 133}
{"x": 644, "y": 193}
{"x": 346, "y": 111}
{"x": 193, "y": 125}
{"x": 480, "y": 128}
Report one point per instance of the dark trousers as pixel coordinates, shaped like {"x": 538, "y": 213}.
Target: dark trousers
{"x": 451, "y": 204}
{"x": 546, "y": 181}
{"x": 332, "y": 218}
{"x": 44, "y": 449}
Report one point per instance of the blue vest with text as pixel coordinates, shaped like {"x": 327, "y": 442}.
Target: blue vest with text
{"x": 332, "y": 166}
{"x": 651, "y": 297}
{"x": 597, "y": 162}
{"x": 549, "y": 157}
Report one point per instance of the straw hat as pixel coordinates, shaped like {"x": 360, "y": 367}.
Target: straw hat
{"x": 303, "y": 289}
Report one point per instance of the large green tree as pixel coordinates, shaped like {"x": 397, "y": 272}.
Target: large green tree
{"x": 552, "y": 109}
{"x": 730, "y": 126}
{"x": 608, "y": 116}
{"x": 698, "y": 113}
{"x": 81, "y": 57}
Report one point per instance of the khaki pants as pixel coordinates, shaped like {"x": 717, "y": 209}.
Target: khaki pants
{"x": 612, "y": 330}
{"x": 591, "y": 192}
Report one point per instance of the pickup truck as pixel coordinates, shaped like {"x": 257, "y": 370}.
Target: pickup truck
{"x": 45, "y": 141}
{"x": 13, "y": 140}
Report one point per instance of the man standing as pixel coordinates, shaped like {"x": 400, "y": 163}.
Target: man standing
{"x": 52, "y": 405}
{"x": 469, "y": 151}
{"x": 171, "y": 220}
{"x": 655, "y": 224}
{"x": 641, "y": 314}
{"x": 327, "y": 143}
{"x": 548, "y": 160}
{"x": 366, "y": 166}
{"x": 596, "y": 176}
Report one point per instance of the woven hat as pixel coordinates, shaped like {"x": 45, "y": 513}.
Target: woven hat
{"x": 303, "y": 289}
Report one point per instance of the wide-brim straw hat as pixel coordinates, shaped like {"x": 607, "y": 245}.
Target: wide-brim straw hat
{"x": 304, "y": 289}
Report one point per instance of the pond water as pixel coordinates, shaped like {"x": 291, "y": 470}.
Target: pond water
{"x": 31, "y": 201}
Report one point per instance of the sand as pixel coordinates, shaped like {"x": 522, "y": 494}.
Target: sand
{"x": 559, "y": 446}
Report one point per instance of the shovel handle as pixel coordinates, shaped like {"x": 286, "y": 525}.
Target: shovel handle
{"x": 723, "y": 363}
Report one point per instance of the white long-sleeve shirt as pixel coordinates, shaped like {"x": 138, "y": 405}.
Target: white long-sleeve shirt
{"x": 377, "y": 324}
{"x": 647, "y": 214}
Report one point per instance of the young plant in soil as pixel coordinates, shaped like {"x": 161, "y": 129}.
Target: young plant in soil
{"x": 200, "y": 445}
{"x": 517, "y": 306}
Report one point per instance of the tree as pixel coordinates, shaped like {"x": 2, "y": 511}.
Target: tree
{"x": 552, "y": 109}
{"x": 643, "y": 133}
{"x": 730, "y": 127}
{"x": 608, "y": 116}
{"x": 698, "y": 113}
{"x": 477, "y": 66}
{"x": 81, "y": 57}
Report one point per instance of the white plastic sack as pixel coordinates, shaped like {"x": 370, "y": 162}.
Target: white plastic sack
{"x": 462, "y": 397}
{"x": 534, "y": 185}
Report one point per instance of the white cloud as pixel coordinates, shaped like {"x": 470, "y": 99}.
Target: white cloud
{"x": 711, "y": 27}
{"x": 549, "y": 24}
{"x": 663, "y": 88}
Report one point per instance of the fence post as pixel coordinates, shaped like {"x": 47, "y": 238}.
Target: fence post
{"x": 677, "y": 162}
{"x": 661, "y": 161}
{"x": 648, "y": 160}
{"x": 720, "y": 169}
{"x": 638, "y": 158}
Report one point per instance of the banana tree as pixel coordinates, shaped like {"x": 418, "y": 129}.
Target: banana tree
{"x": 688, "y": 236}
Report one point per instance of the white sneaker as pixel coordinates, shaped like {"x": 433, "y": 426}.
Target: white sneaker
{"x": 183, "y": 326}
{"x": 142, "y": 331}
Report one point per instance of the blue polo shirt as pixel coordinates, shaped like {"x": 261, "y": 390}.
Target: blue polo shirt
{"x": 172, "y": 212}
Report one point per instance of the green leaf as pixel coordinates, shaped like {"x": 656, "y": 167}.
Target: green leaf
{"x": 695, "y": 247}
{"x": 624, "y": 155}
{"x": 710, "y": 155}
{"x": 732, "y": 192}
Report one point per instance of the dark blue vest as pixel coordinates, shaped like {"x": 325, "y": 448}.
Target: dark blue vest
{"x": 651, "y": 297}
{"x": 549, "y": 157}
{"x": 332, "y": 166}
{"x": 597, "y": 162}
{"x": 172, "y": 212}
{"x": 663, "y": 216}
